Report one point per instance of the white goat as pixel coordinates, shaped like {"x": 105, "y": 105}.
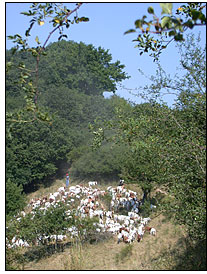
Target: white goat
{"x": 153, "y": 231}
{"x": 92, "y": 183}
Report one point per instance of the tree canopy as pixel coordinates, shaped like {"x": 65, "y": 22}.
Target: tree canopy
{"x": 35, "y": 151}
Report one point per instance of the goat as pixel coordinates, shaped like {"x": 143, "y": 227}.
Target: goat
{"x": 147, "y": 228}
{"x": 139, "y": 238}
{"x": 153, "y": 231}
{"x": 92, "y": 183}
{"x": 61, "y": 190}
{"x": 56, "y": 194}
{"x": 126, "y": 239}
{"x": 89, "y": 206}
{"x": 120, "y": 189}
{"x": 51, "y": 198}
{"x": 145, "y": 220}
{"x": 23, "y": 213}
{"x": 140, "y": 230}
{"x": 119, "y": 237}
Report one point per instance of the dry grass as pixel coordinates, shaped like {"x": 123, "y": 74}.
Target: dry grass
{"x": 42, "y": 191}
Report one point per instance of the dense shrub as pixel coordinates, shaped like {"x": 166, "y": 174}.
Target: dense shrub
{"x": 15, "y": 198}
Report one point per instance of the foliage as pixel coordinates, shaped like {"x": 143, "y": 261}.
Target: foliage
{"x": 35, "y": 151}
{"x": 40, "y": 224}
{"x": 167, "y": 146}
{"x": 15, "y": 199}
{"x": 14, "y": 259}
{"x": 168, "y": 28}
{"x": 137, "y": 129}
{"x": 187, "y": 86}
{"x": 145, "y": 209}
{"x": 99, "y": 164}
{"x": 148, "y": 144}
{"x": 78, "y": 62}
{"x": 86, "y": 69}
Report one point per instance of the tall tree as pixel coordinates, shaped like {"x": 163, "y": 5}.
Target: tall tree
{"x": 86, "y": 69}
{"x": 167, "y": 146}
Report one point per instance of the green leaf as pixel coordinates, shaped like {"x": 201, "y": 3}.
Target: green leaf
{"x": 189, "y": 24}
{"x": 130, "y": 31}
{"x": 140, "y": 39}
{"x": 37, "y": 40}
{"x": 172, "y": 33}
{"x": 150, "y": 10}
{"x": 165, "y": 22}
{"x": 202, "y": 17}
{"x": 195, "y": 14}
{"x": 138, "y": 23}
{"x": 178, "y": 37}
{"x": 83, "y": 19}
{"x": 8, "y": 66}
{"x": 25, "y": 13}
{"x": 166, "y": 8}
{"x": 10, "y": 37}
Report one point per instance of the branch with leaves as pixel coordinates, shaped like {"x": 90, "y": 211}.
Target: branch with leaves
{"x": 168, "y": 28}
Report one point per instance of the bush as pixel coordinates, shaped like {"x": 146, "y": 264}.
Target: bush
{"x": 15, "y": 199}
{"x": 14, "y": 259}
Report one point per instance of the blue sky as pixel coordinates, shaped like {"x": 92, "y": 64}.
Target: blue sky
{"x": 108, "y": 22}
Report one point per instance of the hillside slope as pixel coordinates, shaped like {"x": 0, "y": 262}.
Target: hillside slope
{"x": 162, "y": 252}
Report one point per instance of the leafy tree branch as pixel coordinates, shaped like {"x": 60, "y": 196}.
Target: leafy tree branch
{"x": 168, "y": 28}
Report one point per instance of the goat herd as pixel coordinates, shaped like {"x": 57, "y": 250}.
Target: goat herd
{"x": 127, "y": 228}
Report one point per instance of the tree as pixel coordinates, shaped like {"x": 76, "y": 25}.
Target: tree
{"x": 167, "y": 146}
{"x": 74, "y": 107}
{"x": 86, "y": 69}
{"x": 34, "y": 151}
